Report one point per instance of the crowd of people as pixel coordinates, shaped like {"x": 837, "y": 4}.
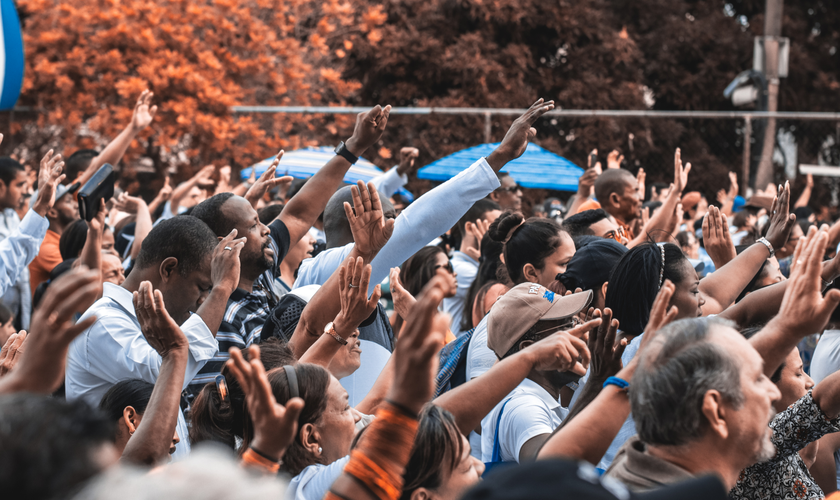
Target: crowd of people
{"x": 305, "y": 340}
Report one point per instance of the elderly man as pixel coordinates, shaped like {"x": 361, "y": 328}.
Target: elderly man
{"x": 617, "y": 193}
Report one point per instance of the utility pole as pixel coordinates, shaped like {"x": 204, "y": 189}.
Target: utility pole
{"x": 772, "y": 33}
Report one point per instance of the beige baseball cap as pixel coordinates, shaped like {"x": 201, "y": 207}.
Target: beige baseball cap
{"x": 522, "y": 306}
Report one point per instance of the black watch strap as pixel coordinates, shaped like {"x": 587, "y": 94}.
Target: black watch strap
{"x": 342, "y": 151}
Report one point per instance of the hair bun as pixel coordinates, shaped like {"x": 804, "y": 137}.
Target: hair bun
{"x": 501, "y": 227}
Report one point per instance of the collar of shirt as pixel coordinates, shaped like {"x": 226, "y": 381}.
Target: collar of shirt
{"x": 458, "y": 255}
{"x": 119, "y": 295}
{"x": 532, "y": 388}
{"x": 644, "y": 465}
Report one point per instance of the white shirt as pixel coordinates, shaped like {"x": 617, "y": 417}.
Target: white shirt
{"x": 479, "y": 357}
{"x": 826, "y": 359}
{"x": 466, "y": 268}
{"x": 114, "y": 349}
{"x": 390, "y": 182}
{"x": 530, "y": 411}
{"x": 314, "y": 482}
{"x": 17, "y": 295}
{"x": 20, "y": 247}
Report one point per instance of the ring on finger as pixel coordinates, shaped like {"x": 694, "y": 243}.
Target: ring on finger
{"x": 228, "y": 248}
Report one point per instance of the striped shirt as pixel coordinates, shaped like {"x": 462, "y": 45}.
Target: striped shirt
{"x": 246, "y": 312}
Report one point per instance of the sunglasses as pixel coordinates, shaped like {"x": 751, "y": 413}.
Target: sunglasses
{"x": 511, "y": 189}
{"x": 447, "y": 266}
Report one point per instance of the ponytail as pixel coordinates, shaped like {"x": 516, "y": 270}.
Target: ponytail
{"x": 528, "y": 241}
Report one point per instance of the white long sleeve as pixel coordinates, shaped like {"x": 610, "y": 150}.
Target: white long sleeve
{"x": 20, "y": 248}
{"x": 390, "y": 182}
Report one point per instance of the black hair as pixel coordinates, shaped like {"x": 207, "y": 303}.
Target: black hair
{"x": 184, "y": 237}
{"x": 73, "y": 239}
{"x": 634, "y": 283}
{"x": 5, "y": 315}
{"x": 210, "y": 212}
{"x": 740, "y": 218}
{"x": 336, "y": 227}
{"x": 528, "y": 243}
{"x": 135, "y": 393}
{"x": 762, "y": 271}
{"x": 474, "y": 213}
{"x": 295, "y": 188}
{"x": 9, "y": 168}
{"x": 683, "y": 238}
{"x": 578, "y": 224}
{"x": 269, "y": 213}
{"x": 436, "y": 452}
{"x": 652, "y": 206}
{"x": 78, "y": 162}
{"x": 57, "y": 271}
{"x": 419, "y": 269}
{"x": 488, "y": 266}
{"x": 49, "y": 445}
{"x": 224, "y": 421}
{"x": 659, "y": 187}
{"x": 613, "y": 180}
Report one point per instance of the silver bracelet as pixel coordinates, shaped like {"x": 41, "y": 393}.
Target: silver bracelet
{"x": 766, "y": 243}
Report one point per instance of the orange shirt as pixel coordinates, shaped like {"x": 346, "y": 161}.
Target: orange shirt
{"x": 628, "y": 232}
{"x": 589, "y": 204}
{"x": 48, "y": 257}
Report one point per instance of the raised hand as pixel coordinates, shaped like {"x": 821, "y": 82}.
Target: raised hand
{"x": 614, "y": 159}
{"x": 143, "y": 113}
{"x": 517, "y": 137}
{"x": 407, "y": 157}
{"x": 224, "y": 268}
{"x": 477, "y": 230}
{"x": 586, "y": 182}
{"x": 716, "y": 237}
{"x": 12, "y": 350}
{"x": 660, "y": 313}
{"x": 275, "y": 425}
{"x": 403, "y": 300}
{"x": 41, "y": 366}
{"x": 564, "y": 351}
{"x": 415, "y": 358}
{"x": 49, "y": 177}
{"x": 606, "y": 354}
{"x": 160, "y": 330}
{"x": 129, "y": 204}
{"x": 680, "y": 173}
{"x": 268, "y": 180}
{"x": 781, "y": 220}
{"x": 597, "y": 165}
{"x": 640, "y": 183}
{"x": 369, "y": 128}
{"x": 353, "y": 283}
{"x": 367, "y": 220}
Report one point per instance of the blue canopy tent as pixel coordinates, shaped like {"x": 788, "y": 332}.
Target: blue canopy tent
{"x": 536, "y": 168}
{"x": 304, "y": 163}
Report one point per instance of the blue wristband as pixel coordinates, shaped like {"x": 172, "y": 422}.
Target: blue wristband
{"x": 618, "y": 382}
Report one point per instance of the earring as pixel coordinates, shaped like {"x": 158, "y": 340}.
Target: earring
{"x": 320, "y": 449}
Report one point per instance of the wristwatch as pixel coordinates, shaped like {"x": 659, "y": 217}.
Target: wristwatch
{"x": 769, "y": 246}
{"x": 330, "y": 330}
{"x": 341, "y": 150}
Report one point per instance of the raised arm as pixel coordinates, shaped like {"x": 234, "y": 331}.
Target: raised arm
{"x": 562, "y": 351}
{"x": 150, "y": 444}
{"x": 202, "y": 177}
{"x": 723, "y": 286}
{"x": 143, "y": 225}
{"x": 224, "y": 274}
{"x": 91, "y": 255}
{"x": 268, "y": 180}
{"x": 114, "y": 151}
{"x": 664, "y": 218}
{"x": 303, "y": 209}
{"x": 585, "y": 183}
{"x": 805, "y": 197}
{"x": 589, "y": 435}
{"x": 162, "y": 196}
{"x": 804, "y": 310}
{"x": 371, "y": 231}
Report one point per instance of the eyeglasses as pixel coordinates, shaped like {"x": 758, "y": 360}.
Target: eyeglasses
{"x": 617, "y": 234}
{"x": 447, "y": 266}
{"x": 511, "y": 189}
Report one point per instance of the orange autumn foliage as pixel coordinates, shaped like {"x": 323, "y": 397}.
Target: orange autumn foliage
{"x": 87, "y": 61}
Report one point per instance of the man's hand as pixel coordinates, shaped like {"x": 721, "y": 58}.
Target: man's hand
{"x": 781, "y": 220}
{"x": 369, "y": 128}
{"x": 12, "y": 350}
{"x": 403, "y": 301}
{"x": 143, "y": 113}
{"x": 415, "y": 358}
{"x": 517, "y": 137}
{"x": 640, "y": 183}
{"x": 680, "y": 173}
{"x": 129, "y": 204}
{"x": 564, "y": 351}
{"x": 268, "y": 180}
{"x": 809, "y": 181}
{"x": 367, "y": 220}
{"x": 49, "y": 177}
{"x": 353, "y": 283}
{"x": 614, "y": 159}
{"x": 804, "y": 309}
{"x": 41, "y": 366}
{"x": 275, "y": 425}
{"x": 660, "y": 313}
{"x": 716, "y": 237}
{"x": 407, "y": 157}
{"x": 166, "y": 191}
{"x": 160, "y": 330}
{"x": 224, "y": 268}
{"x": 477, "y": 231}
{"x": 606, "y": 355}
{"x": 586, "y": 182}
{"x": 97, "y": 224}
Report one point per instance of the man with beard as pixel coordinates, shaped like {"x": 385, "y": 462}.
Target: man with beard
{"x": 518, "y": 426}
{"x": 266, "y": 245}
{"x": 62, "y": 214}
